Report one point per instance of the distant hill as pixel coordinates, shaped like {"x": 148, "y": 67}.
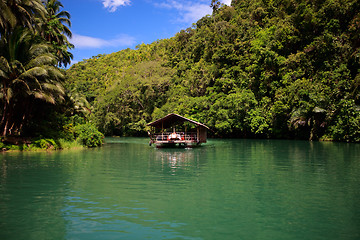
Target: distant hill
{"x": 259, "y": 69}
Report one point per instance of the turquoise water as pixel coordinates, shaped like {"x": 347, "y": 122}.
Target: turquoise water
{"x": 227, "y": 189}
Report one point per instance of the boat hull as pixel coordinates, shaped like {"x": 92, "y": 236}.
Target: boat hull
{"x": 175, "y": 144}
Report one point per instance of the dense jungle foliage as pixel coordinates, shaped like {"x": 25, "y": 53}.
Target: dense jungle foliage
{"x": 257, "y": 68}
{"x": 36, "y": 110}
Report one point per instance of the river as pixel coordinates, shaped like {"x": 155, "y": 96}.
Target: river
{"x": 226, "y": 189}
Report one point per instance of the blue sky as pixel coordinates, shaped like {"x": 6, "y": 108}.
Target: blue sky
{"x": 106, "y": 26}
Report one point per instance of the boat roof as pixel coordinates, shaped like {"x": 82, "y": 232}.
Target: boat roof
{"x": 172, "y": 118}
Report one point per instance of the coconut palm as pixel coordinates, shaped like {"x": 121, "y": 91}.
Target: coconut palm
{"x": 312, "y": 118}
{"x": 27, "y": 72}
{"x": 55, "y": 30}
{"x": 20, "y": 13}
{"x": 54, "y": 12}
{"x": 79, "y": 105}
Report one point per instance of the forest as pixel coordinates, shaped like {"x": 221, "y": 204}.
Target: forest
{"x": 36, "y": 109}
{"x": 284, "y": 69}
{"x": 275, "y": 69}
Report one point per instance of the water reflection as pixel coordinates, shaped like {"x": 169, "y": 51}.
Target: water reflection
{"x": 177, "y": 161}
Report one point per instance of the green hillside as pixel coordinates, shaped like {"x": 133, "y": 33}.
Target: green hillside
{"x": 259, "y": 69}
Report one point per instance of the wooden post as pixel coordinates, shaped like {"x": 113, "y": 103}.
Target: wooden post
{"x": 198, "y": 133}
{"x": 185, "y": 138}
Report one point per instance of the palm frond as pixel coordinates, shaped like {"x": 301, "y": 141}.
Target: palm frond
{"x": 60, "y": 88}
{"x": 26, "y": 17}
{"x": 4, "y": 64}
{"x": 39, "y": 8}
{"x": 44, "y": 96}
{"x": 17, "y": 68}
{"x": 43, "y": 59}
{"x": 9, "y": 94}
{"x": 54, "y": 73}
{"x": 63, "y": 14}
{"x": 54, "y": 5}
{"x": 298, "y": 118}
{"x": 3, "y": 74}
{"x": 22, "y": 82}
{"x": 32, "y": 81}
{"x": 67, "y": 31}
{"x": 54, "y": 87}
{"x": 38, "y": 49}
{"x": 6, "y": 16}
{"x": 34, "y": 72}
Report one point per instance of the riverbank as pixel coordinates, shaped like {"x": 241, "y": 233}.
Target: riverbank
{"x": 81, "y": 136}
{"x": 14, "y": 144}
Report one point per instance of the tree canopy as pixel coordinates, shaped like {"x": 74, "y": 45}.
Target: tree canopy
{"x": 31, "y": 47}
{"x": 263, "y": 69}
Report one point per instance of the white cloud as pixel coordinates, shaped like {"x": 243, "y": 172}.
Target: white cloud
{"x": 195, "y": 12}
{"x": 73, "y": 62}
{"x": 81, "y": 41}
{"x": 227, "y": 2}
{"x": 112, "y": 5}
{"x": 189, "y": 11}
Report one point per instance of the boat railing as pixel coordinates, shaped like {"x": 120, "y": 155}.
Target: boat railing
{"x": 188, "y": 136}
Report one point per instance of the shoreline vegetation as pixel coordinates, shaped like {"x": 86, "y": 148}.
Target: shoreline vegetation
{"x": 256, "y": 69}
{"x": 39, "y": 145}
{"x": 83, "y": 136}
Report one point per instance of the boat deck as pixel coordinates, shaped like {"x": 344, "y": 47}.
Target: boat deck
{"x": 168, "y": 139}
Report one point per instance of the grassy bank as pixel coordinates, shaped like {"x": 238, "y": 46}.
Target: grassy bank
{"x": 43, "y": 144}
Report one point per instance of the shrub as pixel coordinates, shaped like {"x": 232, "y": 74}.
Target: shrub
{"x": 68, "y": 132}
{"x": 46, "y": 143}
{"x": 2, "y": 146}
{"x": 346, "y": 124}
{"x": 66, "y": 144}
{"x": 89, "y": 135}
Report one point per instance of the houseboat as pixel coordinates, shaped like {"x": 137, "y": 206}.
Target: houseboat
{"x": 174, "y": 130}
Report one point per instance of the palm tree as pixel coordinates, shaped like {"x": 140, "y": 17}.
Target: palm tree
{"x": 27, "y": 72}
{"x": 311, "y": 118}
{"x": 55, "y": 30}
{"x": 77, "y": 104}
{"x": 63, "y": 17}
{"x": 20, "y": 13}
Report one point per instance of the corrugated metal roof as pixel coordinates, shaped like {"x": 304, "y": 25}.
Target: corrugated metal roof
{"x": 172, "y": 118}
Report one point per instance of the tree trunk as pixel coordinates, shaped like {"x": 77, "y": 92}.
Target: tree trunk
{"x": 7, "y": 119}
{"x": 4, "y": 134}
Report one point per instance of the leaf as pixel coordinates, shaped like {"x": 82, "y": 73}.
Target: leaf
{"x": 4, "y": 65}
{"x": 54, "y": 87}
{"x": 43, "y": 59}
{"x": 3, "y": 74}
{"x": 9, "y": 94}
{"x": 34, "y": 72}
{"x": 39, "y": 49}
{"x": 22, "y": 82}
{"x": 44, "y": 96}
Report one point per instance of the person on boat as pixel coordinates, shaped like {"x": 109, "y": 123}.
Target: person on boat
{"x": 174, "y": 136}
